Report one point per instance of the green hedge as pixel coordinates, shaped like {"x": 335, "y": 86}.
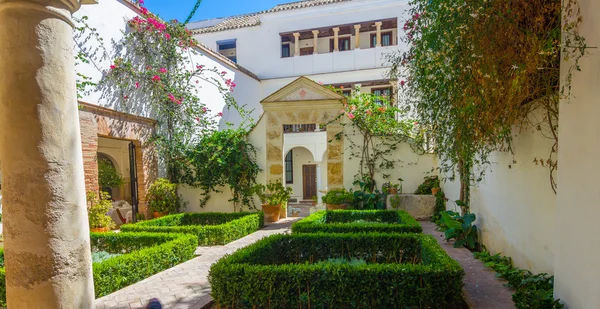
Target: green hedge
{"x": 211, "y": 228}
{"x": 297, "y": 271}
{"x": 143, "y": 255}
{"x": 353, "y": 221}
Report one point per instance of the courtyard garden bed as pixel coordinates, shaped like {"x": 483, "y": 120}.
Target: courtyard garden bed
{"x": 352, "y": 221}
{"x": 128, "y": 258}
{"x": 211, "y": 228}
{"x": 339, "y": 271}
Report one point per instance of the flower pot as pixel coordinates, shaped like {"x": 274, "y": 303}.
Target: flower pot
{"x": 435, "y": 191}
{"x": 283, "y": 212}
{"x": 393, "y": 190}
{"x": 159, "y": 214}
{"x": 100, "y": 229}
{"x": 337, "y": 206}
{"x": 272, "y": 212}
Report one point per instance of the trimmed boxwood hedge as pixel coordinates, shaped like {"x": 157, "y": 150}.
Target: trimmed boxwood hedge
{"x": 143, "y": 255}
{"x": 296, "y": 271}
{"x": 353, "y": 221}
{"x": 211, "y": 228}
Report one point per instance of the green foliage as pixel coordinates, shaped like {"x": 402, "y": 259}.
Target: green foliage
{"x": 440, "y": 205}
{"x": 162, "y": 197}
{"x": 532, "y": 291}
{"x": 223, "y": 158}
{"x": 210, "y": 228}
{"x": 338, "y": 196}
{"x": 347, "y": 221}
{"x": 108, "y": 176}
{"x": 395, "y": 201}
{"x": 144, "y": 254}
{"x": 101, "y": 256}
{"x": 366, "y": 197}
{"x": 460, "y": 228}
{"x": 316, "y": 271}
{"x": 273, "y": 194}
{"x": 429, "y": 183}
{"x": 135, "y": 256}
{"x": 98, "y": 209}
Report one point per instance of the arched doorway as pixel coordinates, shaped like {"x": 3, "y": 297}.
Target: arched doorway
{"x": 109, "y": 178}
{"x": 301, "y": 173}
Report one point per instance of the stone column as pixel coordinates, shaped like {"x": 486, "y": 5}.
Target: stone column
{"x": 46, "y": 232}
{"x": 356, "y": 89}
{"x": 336, "y": 41}
{"x": 378, "y": 25}
{"x": 315, "y": 41}
{"x": 357, "y": 36}
{"x": 319, "y": 180}
{"x": 394, "y": 92}
{"x": 296, "y": 44}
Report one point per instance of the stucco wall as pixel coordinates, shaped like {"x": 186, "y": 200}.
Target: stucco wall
{"x": 515, "y": 204}
{"x": 265, "y": 40}
{"x": 577, "y": 266}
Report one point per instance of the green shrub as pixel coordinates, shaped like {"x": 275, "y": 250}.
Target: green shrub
{"x": 533, "y": 291}
{"x": 162, "y": 197}
{"x": 338, "y": 196}
{"x": 142, "y": 255}
{"x": 273, "y": 194}
{"x": 98, "y": 208}
{"x": 429, "y": 183}
{"x": 440, "y": 205}
{"x": 108, "y": 176}
{"x": 211, "y": 228}
{"x": 308, "y": 271}
{"x": 357, "y": 221}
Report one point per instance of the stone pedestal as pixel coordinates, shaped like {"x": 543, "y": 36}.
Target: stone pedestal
{"x": 419, "y": 206}
{"x": 46, "y": 232}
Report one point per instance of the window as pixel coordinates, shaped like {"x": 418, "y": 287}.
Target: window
{"x": 289, "y": 167}
{"x": 386, "y": 39}
{"x": 347, "y": 92}
{"x": 227, "y": 48}
{"x": 343, "y": 44}
{"x": 285, "y": 50}
{"x": 382, "y": 92}
{"x": 305, "y": 51}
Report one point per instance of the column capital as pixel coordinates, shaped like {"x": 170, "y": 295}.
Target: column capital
{"x": 315, "y": 32}
{"x": 59, "y": 8}
{"x": 336, "y": 29}
{"x": 296, "y": 34}
{"x": 357, "y": 27}
{"x": 378, "y": 24}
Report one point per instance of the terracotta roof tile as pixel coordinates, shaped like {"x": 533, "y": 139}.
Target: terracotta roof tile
{"x": 253, "y": 19}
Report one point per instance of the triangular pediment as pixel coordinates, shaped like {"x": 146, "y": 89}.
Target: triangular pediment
{"x": 302, "y": 89}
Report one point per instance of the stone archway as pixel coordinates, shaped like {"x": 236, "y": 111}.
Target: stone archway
{"x": 303, "y": 102}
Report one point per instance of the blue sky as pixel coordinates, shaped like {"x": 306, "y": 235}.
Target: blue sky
{"x": 179, "y": 9}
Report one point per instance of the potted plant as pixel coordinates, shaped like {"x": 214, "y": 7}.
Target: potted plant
{"x": 337, "y": 199}
{"x": 98, "y": 207}
{"x": 108, "y": 176}
{"x": 385, "y": 188}
{"x": 163, "y": 198}
{"x": 436, "y": 186}
{"x": 273, "y": 197}
{"x": 315, "y": 200}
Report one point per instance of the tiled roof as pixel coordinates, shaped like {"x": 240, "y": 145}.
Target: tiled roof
{"x": 253, "y": 19}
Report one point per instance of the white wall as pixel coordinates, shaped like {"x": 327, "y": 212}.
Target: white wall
{"x": 110, "y": 19}
{"x": 577, "y": 266}
{"x": 515, "y": 204}
{"x": 301, "y": 157}
{"x": 264, "y": 40}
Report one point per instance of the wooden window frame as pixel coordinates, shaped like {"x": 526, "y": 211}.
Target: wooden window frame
{"x": 374, "y": 38}
{"x": 289, "y": 159}
{"x": 348, "y": 38}
{"x": 289, "y": 47}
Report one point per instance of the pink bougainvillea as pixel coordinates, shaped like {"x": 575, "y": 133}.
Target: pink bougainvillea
{"x": 156, "y": 78}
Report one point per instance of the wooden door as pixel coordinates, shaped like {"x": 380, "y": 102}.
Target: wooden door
{"x": 309, "y": 181}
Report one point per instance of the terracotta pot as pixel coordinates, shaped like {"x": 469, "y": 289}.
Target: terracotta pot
{"x": 283, "y": 212}
{"x": 100, "y": 229}
{"x": 159, "y": 214}
{"x": 272, "y": 212}
{"x": 435, "y": 191}
{"x": 393, "y": 190}
{"x": 337, "y": 206}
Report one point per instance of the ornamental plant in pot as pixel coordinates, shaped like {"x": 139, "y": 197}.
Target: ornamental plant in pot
{"x": 273, "y": 197}
{"x": 337, "y": 199}
{"x": 98, "y": 207}
{"x": 163, "y": 198}
{"x": 436, "y": 187}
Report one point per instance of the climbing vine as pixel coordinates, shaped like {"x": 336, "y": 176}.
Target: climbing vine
{"x": 224, "y": 158}
{"x": 157, "y": 67}
{"x": 476, "y": 69}
{"x": 381, "y": 127}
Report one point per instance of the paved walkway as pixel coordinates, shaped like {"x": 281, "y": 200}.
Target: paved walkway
{"x": 482, "y": 289}
{"x": 184, "y": 286}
